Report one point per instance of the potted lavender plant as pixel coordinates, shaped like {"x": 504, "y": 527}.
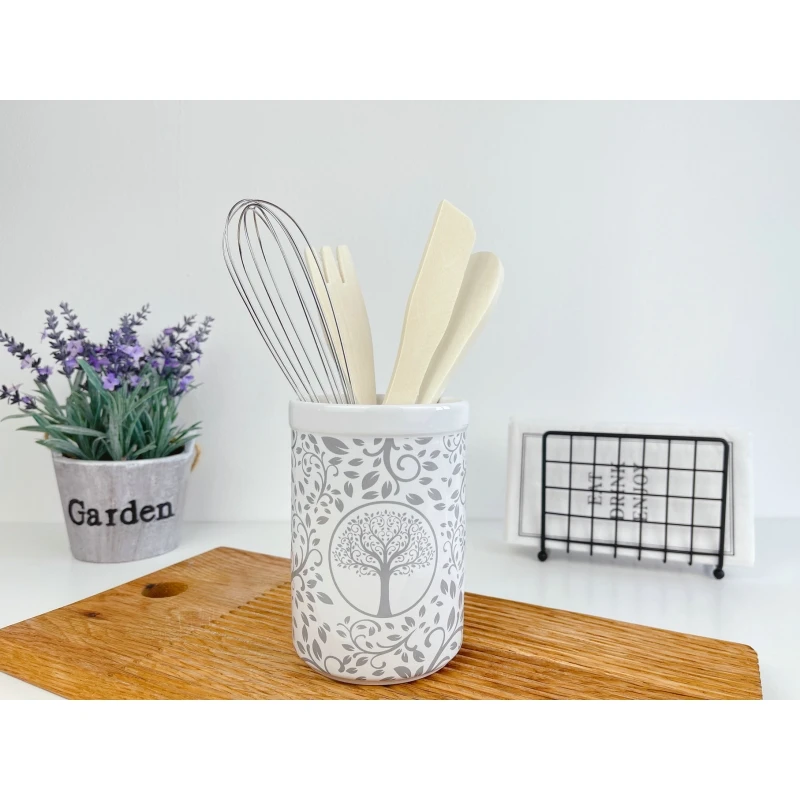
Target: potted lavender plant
{"x": 121, "y": 458}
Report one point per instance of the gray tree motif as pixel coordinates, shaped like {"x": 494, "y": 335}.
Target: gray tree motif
{"x": 384, "y": 543}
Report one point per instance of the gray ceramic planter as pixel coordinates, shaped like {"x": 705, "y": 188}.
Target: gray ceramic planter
{"x": 123, "y": 510}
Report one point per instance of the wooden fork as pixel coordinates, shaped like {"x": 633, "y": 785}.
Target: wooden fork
{"x": 342, "y": 304}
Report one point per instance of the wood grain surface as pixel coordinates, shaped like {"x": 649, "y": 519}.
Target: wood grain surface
{"x": 218, "y": 626}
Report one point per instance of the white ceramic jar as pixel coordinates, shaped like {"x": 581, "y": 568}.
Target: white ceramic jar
{"x": 378, "y": 532}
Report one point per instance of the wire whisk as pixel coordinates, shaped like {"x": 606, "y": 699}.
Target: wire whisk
{"x": 263, "y": 248}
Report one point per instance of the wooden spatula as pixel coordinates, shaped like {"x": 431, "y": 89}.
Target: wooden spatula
{"x": 346, "y": 310}
{"x": 479, "y": 290}
{"x": 431, "y": 301}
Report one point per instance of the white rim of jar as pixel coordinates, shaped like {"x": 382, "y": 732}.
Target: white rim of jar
{"x": 447, "y": 416}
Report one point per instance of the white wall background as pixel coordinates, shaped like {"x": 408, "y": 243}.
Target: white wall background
{"x": 652, "y": 257}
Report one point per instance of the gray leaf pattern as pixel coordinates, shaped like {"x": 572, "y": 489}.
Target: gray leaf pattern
{"x": 334, "y": 445}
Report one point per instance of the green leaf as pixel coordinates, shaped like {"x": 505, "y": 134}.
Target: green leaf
{"x": 48, "y": 405}
{"x": 139, "y": 404}
{"x": 62, "y": 446}
{"x": 113, "y": 437}
{"x": 98, "y": 450}
{"x": 137, "y": 453}
{"x": 97, "y": 424}
{"x": 75, "y": 431}
{"x": 91, "y": 376}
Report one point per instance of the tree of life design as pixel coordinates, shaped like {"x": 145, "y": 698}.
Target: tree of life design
{"x": 380, "y": 544}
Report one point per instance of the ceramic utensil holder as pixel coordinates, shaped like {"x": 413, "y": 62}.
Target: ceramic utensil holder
{"x": 378, "y": 533}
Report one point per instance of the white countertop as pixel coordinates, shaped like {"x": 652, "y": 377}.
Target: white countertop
{"x": 759, "y": 606}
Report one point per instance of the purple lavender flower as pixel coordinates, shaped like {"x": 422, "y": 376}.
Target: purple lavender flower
{"x": 134, "y": 351}
{"x": 97, "y": 359}
{"x": 58, "y": 344}
{"x": 71, "y": 319}
{"x": 28, "y": 360}
{"x": 17, "y": 349}
{"x": 129, "y": 322}
{"x": 121, "y": 361}
{"x": 123, "y": 352}
{"x": 12, "y": 395}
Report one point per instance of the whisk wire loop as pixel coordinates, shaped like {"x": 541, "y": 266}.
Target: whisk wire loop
{"x": 262, "y": 246}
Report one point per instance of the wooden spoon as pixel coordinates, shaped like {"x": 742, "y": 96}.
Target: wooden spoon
{"x": 479, "y": 291}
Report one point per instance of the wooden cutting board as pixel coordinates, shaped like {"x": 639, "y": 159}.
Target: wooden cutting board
{"x": 218, "y": 626}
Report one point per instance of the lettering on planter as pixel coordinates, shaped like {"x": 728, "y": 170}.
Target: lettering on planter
{"x": 129, "y": 515}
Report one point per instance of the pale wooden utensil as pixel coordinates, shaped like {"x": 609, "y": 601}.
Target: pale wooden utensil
{"x": 342, "y": 304}
{"x": 431, "y": 301}
{"x": 481, "y": 287}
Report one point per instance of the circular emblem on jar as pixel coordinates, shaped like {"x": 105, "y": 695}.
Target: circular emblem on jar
{"x": 383, "y": 557}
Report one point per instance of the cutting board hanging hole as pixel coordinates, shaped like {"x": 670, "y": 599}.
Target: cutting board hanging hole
{"x": 169, "y": 589}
